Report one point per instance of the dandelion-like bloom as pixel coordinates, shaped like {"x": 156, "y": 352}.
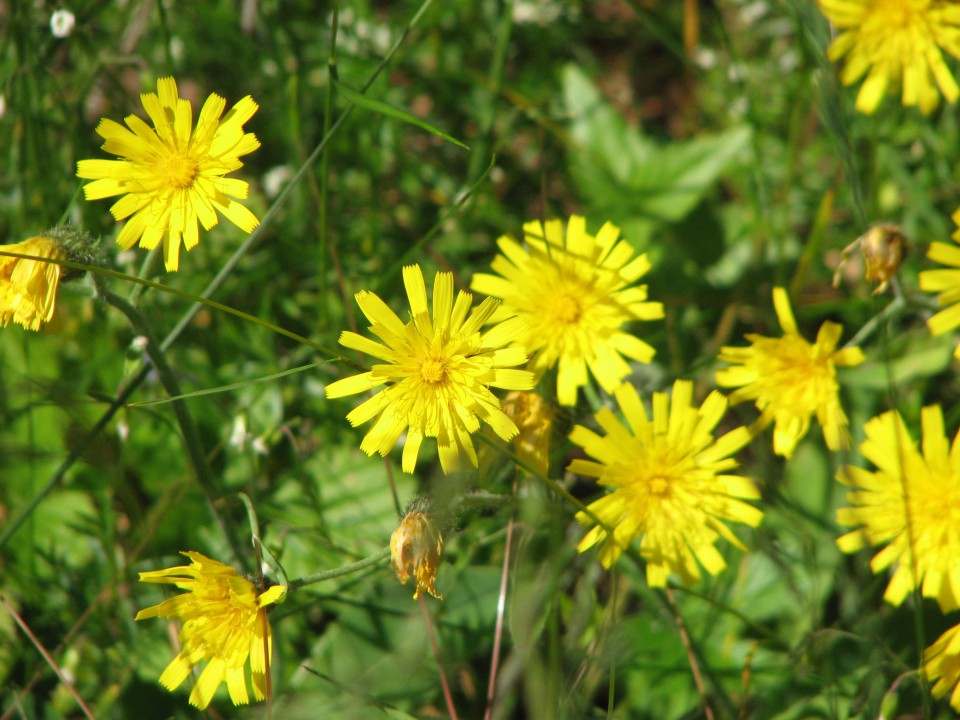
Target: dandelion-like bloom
{"x": 415, "y": 548}
{"x": 172, "y": 176}
{"x": 791, "y": 380}
{"x": 438, "y": 372}
{"x": 575, "y": 294}
{"x": 910, "y": 505}
{"x": 224, "y": 623}
{"x": 945, "y": 281}
{"x": 28, "y": 288}
{"x": 669, "y": 484}
{"x": 941, "y": 665}
{"x": 893, "y": 41}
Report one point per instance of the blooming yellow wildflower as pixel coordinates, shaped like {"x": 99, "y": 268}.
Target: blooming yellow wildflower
{"x": 224, "y": 623}
{"x": 575, "y": 294}
{"x": 790, "y": 380}
{"x": 894, "y": 41}
{"x": 945, "y": 281}
{"x": 28, "y": 288}
{"x": 438, "y": 372}
{"x": 171, "y": 176}
{"x": 910, "y": 504}
{"x": 534, "y": 417}
{"x": 665, "y": 474}
{"x": 941, "y": 665}
{"x": 415, "y": 547}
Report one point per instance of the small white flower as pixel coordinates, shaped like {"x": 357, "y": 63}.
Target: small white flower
{"x": 275, "y": 179}
{"x": 239, "y": 434}
{"x": 61, "y": 23}
{"x": 3, "y": 105}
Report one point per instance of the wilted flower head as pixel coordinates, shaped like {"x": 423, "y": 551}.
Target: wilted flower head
{"x": 941, "y": 665}
{"x": 576, "y": 294}
{"x": 534, "y": 417}
{"x": 224, "y": 622}
{"x": 668, "y": 481}
{"x": 28, "y": 288}
{"x": 910, "y": 505}
{"x": 894, "y": 42}
{"x": 437, "y": 371}
{"x": 415, "y": 548}
{"x": 791, "y": 380}
{"x": 171, "y": 176}
{"x": 883, "y": 247}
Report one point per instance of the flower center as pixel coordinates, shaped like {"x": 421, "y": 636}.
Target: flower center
{"x": 434, "y": 371}
{"x": 179, "y": 170}
{"x": 568, "y": 309}
{"x": 659, "y": 485}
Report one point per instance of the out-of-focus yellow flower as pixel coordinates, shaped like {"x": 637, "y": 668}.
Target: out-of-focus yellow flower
{"x": 171, "y": 176}
{"x": 791, "y": 380}
{"x": 534, "y": 417}
{"x": 894, "y": 42}
{"x": 438, "y": 372}
{"x": 669, "y": 483}
{"x": 28, "y": 288}
{"x": 576, "y": 294}
{"x": 415, "y": 548}
{"x": 224, "y": 623}
{"x": 910, "y": 505}
{"x": 946, "y": 282}
{"x": 941, "y": 665}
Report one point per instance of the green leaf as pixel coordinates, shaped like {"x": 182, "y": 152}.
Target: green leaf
{"x": 395, "y": 113}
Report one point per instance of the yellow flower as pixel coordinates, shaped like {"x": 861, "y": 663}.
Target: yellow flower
{"x": 894, "y": 41}
{"x": 790, "y": 380}
{"x": 415, "y": 547}
{"x": 668, "y": 485}
{"x": 941, "y": 665}
{"x": 910, "y": 504}
{"x": 575, "y": 296}
{"x": 28, "y": 288}
{"x": 224, "y": 623}
{"x": 534, "y": 417}
{"x": 946, "y": 282}
{"x": 172, "y": 176}
{"x": 438, "y": 373}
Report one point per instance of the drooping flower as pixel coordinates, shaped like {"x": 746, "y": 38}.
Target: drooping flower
{"x": 171, "y": 176}
{"x": 415, "y": 548}
{"x": 438, "y": 372}
{"x": 224, "y": 622}
{"x": 882, "y": 247}
{"x": 668, "y": 480}
{"x": 894, "y": 42}
{"x": 28, "y": 288}
{"x": 576, "y": 295}
{"x": 941, "y": 665}
{"x": 946, "y": 282}
{"x": 791, "y": 380}
{"x": 910, "y": 505}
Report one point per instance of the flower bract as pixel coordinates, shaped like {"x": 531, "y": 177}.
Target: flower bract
{"x": 576, "y": 294}
{"x": 668, "y": 482}
{"x": 791, "y": 379}
{"x": 224, "y": 623}
{"x": 438, "y": 372}
{"x": 909, "y": 505}
{"x": 28, "y": 288}
{"x": 171, "y": 175}
{"x": 894, "y": 42}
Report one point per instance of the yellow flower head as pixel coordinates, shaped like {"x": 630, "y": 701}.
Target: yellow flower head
{"x": 172, "y": 175}
{"x": 941, "y": 665}
{"x": 667, "y": 485}
{"x": 534, "y": 417}
{"x": 893, "y": 42}
{"x": 945, "y": 281}
{"x": 575, "y": 294}
{"x": 910, "y": 504}
{"x": 791, "y": 380}
{"x": 28, "y": 288}
{"x": 224, "y": 623}
{"x": 415, "y": 548}
{"x": 438, "y": 372}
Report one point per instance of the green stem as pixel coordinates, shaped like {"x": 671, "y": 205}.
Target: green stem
{"x": 374, "y": 559}
{"x": 325, "y": 167}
